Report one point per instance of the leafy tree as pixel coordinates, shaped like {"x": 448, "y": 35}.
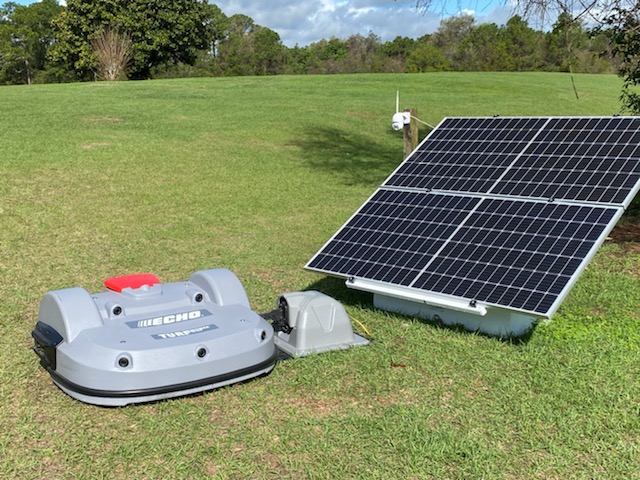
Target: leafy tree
{"x": 485, "y": 49}
{"x": 268, "y": 52}
{"x": 450, "y": 35}
{"x": 523, "y": 44}
{"x": 625, "y": 32}
{"x": 362, "y": 54}
{"x": 217, "y": 25}
{"x": 599, "y": 57}
{"x": 236, "y": 47}
{"x": 426, "y": 57}
{"x": 399, "y": 47}
{"x": 619, "y": 16}
{"x": 249, "y": 49}
{"x": 325, "y": 55}
{"x": 297, "y": 60}
{"x": 207, "y": 61}
{"x": 355, "y": 54}
{"x": 334, "y": 49}
{"x": 162, "y": 31}
{"x": 26, "y": 33}
{"x": 565, "y": 39}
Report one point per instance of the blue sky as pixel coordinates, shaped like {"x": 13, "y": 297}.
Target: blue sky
{"x": 304, "y": 22}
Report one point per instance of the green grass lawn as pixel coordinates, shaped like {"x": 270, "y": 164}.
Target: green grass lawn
{"x": 255, "y": 174}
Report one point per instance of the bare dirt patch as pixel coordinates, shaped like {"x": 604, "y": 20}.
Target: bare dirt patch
{"x": 318, "y": 408}
{"x": 626, "y": 232}
{"x": 92, "y": 145}
{"x": 627, "y": 235}
{"x": 101, "y": 120}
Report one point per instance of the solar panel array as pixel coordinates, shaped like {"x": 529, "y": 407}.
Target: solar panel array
{"x": 466, "y": 155}
{"x": 504, "y": 211}
{"x": 584, "y": 159}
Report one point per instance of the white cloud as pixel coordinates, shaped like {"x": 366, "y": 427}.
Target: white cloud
{"x": 306, "y": 22}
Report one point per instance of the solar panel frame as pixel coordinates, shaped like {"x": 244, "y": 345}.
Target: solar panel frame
{"x": 518, "y": 173}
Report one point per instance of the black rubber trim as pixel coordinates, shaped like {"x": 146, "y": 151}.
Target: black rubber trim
{"x": 91, "y": 392}
{"x": 46, "y": 339}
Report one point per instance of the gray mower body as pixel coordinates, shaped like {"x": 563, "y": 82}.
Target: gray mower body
{"x": 154, "y": 341}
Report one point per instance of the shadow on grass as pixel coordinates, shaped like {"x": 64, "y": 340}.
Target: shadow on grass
{"x": 356, "y": 158}
{"x": 336, "y": 288}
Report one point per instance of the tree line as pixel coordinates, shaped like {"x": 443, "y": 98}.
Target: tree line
{"x": 116, "y": 39}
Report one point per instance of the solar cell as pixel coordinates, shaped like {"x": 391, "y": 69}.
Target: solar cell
{"x": 393, "y": 236}
{"x": 503, "y": 211}
{"x": 517, "y": 254}
{"x": 466, "y": 155}
{"x": 589, "y": 160}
